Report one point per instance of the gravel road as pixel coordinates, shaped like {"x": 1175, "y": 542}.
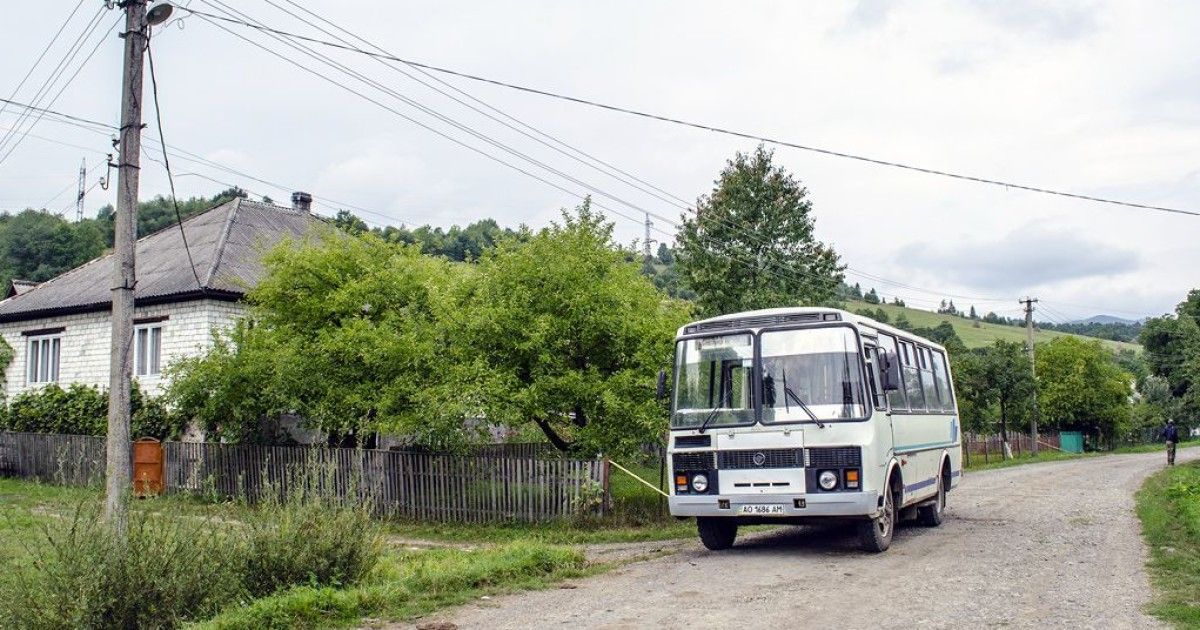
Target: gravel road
{"x": 1042, "y": 545}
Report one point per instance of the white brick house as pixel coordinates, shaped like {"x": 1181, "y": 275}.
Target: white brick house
{"x": 60, "y": 330}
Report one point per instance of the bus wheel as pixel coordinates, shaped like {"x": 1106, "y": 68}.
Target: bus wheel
{"x": 875, "y": 535}
{"x": 930, "y": 514}
{"x": 717, "y": 533}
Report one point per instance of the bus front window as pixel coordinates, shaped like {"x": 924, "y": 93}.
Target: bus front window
{"x": 815, "y": 371}
{"x": 713, "y": 385}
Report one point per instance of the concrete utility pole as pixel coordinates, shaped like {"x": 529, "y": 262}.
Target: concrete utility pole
{"x": 1033, "y": 425}
{"x": 124, "y": 279}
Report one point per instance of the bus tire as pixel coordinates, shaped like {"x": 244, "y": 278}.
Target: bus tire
{"x": 717, "y": 533}
{"x": 875, "y": 535}
{"x": 930, "y": 514}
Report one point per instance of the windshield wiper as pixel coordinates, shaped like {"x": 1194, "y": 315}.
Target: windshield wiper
{"x": 789, "y": 393}
{"x": 709, "y": 418}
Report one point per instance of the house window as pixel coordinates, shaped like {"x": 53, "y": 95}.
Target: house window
{"x": 147, "y": 350}
{"x": 43, "y": 354}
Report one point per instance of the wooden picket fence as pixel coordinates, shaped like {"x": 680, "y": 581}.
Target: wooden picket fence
{"x": 415, "y": 485}
{"x": 990, "y": 447}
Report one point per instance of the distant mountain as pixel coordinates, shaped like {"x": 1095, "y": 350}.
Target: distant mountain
{"x": 1104, "y": 319}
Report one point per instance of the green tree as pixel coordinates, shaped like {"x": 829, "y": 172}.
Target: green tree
{"x": 563, "y": 332}
{"x": 1172, "y": 351}
{"x": 751, "y": 243}
{"x": 993, "y": 384}
{"x": 343, "y": 332}
{"x": 1081, "y": 387}
{"x": 38, "y": 246}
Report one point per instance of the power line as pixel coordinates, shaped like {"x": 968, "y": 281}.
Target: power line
{"x": 52, "y": 112}
{"x": 41, "y": 56}
{"x": 761, "y": 266}
{"x": 58, "y": 94}
{"x": 48, "y": 83}
{"x": 167, "y": 161}
{"x": 520, "y": 126}
{"x": 705, "y": 127}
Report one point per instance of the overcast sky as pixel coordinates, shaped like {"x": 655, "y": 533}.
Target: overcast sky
{"x": 1096, "y": 98}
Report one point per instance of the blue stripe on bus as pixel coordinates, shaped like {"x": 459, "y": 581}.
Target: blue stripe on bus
{"x": 919, "y": 485}
{"x": 925, "y": 446}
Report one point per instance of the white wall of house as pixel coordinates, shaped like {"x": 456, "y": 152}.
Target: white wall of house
{"x": 85, "y": 341}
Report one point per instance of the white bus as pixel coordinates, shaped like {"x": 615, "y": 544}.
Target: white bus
{"x": 793, "y": 415}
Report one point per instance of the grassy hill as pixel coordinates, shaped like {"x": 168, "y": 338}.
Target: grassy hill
{"x": 976, "y": 333}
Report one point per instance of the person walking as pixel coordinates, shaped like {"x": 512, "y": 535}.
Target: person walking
{"x": 1171, "y": 434}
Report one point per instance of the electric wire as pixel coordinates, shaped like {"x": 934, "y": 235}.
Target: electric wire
{"x": 58, "y": 94}
{"x": 706, "y": 127}
{"x": 445, "y": 119}
{"x": 539, "y": 136}
{"x": 167, "y": 161}
{"x": 761, "y": 267}
{"x": 38, "y": 61}
{"x": 570, "y": 178}
{"x": 48, "y": 83}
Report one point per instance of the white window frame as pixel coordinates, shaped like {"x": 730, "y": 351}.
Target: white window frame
{"x": 43, "y": 358}
{"x": 147, "y": 338}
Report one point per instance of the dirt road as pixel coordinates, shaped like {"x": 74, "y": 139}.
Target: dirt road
{"x": 1045, "y": 545}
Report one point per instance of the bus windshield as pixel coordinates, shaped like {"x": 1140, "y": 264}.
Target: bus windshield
{"x": 812, "y": 374}
{"x": 713, "y": 381}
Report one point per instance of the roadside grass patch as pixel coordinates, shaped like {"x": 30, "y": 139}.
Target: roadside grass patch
{"x": 411, "y": 584}
{"x": 67, "y": 570}
{"x": 1169, "y": 507}
{"x": 1051, "y": 455}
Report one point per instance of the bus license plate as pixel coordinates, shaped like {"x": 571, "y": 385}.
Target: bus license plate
{"x": 761, "y": 509}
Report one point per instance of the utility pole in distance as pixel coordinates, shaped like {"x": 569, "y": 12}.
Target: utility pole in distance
{"x": 119, "y": 471}
{"x": 1033, "y": 424}
{"x": 647, "y": 253}
{"x": 80, "y": 194}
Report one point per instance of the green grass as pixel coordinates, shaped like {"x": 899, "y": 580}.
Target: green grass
{"x": 1051, "y": 455}
{"x": 977, "y": 337}
{"x": 406, "y": 584}
{"x": 410, "y": 585}
{"x": 1169, "y": 507}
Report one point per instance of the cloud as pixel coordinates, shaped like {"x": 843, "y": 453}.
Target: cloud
{"x": 1059, "y": 21}
{"x": 868, "y": 14}
{"x": 1020, "y": 260}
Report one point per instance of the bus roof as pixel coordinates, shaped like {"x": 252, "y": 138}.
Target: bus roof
{"x": 774, "y": 316}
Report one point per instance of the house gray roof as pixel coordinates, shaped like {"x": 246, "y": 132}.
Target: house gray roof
{"x": 17, "y": 287}
{"x": 226, "y": 242}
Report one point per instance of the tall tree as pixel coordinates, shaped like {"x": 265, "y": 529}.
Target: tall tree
{"x": 751, "y": 243}
{"x": 1081, "y": 387}
{"x": 564, "y": 333}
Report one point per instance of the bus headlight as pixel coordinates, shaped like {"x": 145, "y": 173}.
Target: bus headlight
{"x": 700, "y": 482}
{"x": 828, "y": 480}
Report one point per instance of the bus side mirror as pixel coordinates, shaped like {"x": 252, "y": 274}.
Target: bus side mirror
{"x": 661, "y": 392}
{"x": 890, "y": 374}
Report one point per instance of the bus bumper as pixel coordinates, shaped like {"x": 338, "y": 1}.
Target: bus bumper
{"x": 838, "y": 504}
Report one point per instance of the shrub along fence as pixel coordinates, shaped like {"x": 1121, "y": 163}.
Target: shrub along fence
{"x": 416, "y": 485}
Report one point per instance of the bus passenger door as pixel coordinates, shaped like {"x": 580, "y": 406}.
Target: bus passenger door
{"x": 879, "y": 402}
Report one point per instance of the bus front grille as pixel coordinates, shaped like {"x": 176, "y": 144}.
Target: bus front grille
{"x": 835, "y": 457}
{"x": 751, "y": 459}
{"x": 692, "y": 461}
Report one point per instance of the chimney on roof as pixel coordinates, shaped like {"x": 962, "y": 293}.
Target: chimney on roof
{"x": 301, "y": 201}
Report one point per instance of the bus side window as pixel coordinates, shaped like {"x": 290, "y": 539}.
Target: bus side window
{"x": 932, "y": 401}
{"x": 888, "y": 348}
{"x": 873, "y": 376}
{"x": 912, "y": 379}
{"x": 943, "y": 381}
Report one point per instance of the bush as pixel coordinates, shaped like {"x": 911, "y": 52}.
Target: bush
{"x": 173, "y": 569}
{"x": 307, "y": 538}
{"x": 180, "y": 568}
{"x": 83, "y": 410}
